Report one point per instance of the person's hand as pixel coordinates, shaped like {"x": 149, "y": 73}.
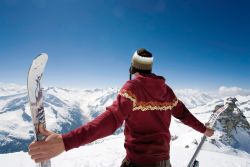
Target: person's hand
{"x": 44, "y": 150}
{"x": 209, "y": 132}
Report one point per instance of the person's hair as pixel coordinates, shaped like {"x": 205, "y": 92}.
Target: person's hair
{"x": 143, "y": 53}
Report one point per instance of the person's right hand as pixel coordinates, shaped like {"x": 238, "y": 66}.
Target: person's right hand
{"x": 209, "y": 132}
{"x": 45, "y": 150}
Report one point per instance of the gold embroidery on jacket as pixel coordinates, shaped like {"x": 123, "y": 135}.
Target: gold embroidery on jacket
{"x": 148, "y": 106}
{"x": 129, "y": 95}
{"x": 145, "y": 106}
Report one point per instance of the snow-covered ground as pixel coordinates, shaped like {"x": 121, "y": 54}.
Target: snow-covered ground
{"x": 110, "y": 152}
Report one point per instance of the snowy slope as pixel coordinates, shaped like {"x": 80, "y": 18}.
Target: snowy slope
{"x": 110, "y": 152}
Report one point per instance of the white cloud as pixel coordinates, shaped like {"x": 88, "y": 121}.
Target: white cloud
{"x": 232, "y": 91}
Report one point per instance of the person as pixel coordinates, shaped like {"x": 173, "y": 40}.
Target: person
{"x": 146, "y": 104}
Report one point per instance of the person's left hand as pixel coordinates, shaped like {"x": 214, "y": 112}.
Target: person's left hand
{"x": 44, "y": 150}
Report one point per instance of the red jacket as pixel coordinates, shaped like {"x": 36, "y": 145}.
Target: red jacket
{"x": 146, "y": 104}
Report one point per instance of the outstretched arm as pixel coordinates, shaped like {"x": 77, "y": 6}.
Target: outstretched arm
{"x": 184, "y": 115}
{"x": 104, "y": 125}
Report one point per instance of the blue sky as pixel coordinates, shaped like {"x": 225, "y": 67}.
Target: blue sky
{"x": 196, "y": 44}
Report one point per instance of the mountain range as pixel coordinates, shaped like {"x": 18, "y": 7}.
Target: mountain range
{"x": 67, "y": 109}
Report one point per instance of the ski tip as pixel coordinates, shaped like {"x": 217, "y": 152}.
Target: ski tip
{"x": 43, "y": 54}
{"x": 42, "y": 57}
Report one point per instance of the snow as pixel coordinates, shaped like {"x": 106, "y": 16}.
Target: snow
{"x": 109, "y": 152}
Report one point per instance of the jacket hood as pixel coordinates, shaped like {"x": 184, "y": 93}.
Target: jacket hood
{"x": 153, "y": 85}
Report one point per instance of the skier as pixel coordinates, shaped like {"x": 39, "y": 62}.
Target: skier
{"x": 146, "y": 104}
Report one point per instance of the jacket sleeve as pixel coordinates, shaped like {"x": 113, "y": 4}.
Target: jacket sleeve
{"x": 184, "y": 115}
{"x": 102, "y": 126}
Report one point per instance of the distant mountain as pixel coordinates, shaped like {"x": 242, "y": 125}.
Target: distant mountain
{"x": 7, "y": 89}
{"x": 193, "y": 98}
{"x": 67, "y": 109}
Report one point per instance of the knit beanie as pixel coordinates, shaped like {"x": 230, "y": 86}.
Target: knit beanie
{"x": 142, "y": 62}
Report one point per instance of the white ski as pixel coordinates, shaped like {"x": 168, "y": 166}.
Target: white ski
{"x": 35, "y": 95}
{"x": 193, "y": 162}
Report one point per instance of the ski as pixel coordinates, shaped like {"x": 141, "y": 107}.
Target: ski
{"x": 35, "y": 95}
{"x": 211, "y": 122}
